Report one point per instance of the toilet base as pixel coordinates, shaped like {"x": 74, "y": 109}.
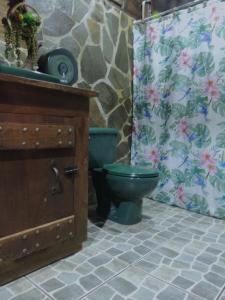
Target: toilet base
{"x": 102, "y": 193}
{"x": 127, "y": 213}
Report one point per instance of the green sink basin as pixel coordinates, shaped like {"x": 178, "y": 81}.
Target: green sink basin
{"x": 28, "y": 74}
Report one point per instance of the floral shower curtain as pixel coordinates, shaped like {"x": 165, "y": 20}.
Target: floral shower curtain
{"x": 179, "y": 106}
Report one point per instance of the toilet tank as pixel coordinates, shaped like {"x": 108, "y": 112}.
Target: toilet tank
{"x": 102, "y": 146}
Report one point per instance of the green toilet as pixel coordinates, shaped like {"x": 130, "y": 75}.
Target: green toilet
{"x": 119, "y": 187}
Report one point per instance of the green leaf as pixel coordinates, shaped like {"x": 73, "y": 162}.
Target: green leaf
{"x": 221, "y": 124}
{"x": 140, "y": 28}
{"x": 195, "y": 37}
{"x": 163, "y": 197}
{"x": 191, "y": 108}
{"x": 220, "y": 212}
{"x": 177, "y": 177}
{"x": 179, "y": 148}
{"x": 220, "y": 140}
{"x": 179, "y": 43}
{"x": 218, "y": 180}
{"x": 203, "y": 137}
{"x": 163, "y": 111}
{"x": 178, "y": 111}
{"x": 164, "y": 175}
{"x": 164, "y": 46}
{"x": 197, "y": 171}
{"x": 140, "y": 108}
{"x": 188, "y": 175}
{"x": 194, "y": 40}
{"x": 220, "y": 31}
{"x": 180, "y": 81}
{"x": 165, "y": 74}
{"x": 219, "y": 107}
{"x": 222, "y": 66}
{"x": 199, "y": 204}
{"x": 139, "y": 54}
{"x": 147, "y": 135}
{"x": 164, "y": 137}
{"x": 205, "y": 63}
{"x": 147, "y": 74}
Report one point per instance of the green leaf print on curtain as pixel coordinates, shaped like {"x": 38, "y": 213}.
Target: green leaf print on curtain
{"x": 205, "y": 63}
{"x": 179, "y": 106}
{"x": 220, "y": 140}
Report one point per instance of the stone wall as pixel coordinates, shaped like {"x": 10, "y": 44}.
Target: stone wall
{"x": 100, "y": 38}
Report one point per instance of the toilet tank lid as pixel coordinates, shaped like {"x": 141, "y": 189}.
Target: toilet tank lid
{"x": 99, "y": 130}
{"x": 130, "y": 171}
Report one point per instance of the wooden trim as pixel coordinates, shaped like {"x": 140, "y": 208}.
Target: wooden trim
{"x": 35, "y": 239}
{"x": 18, "y": 136}
{"x": 25, "y": 82}
{"x": 15, "y": 269}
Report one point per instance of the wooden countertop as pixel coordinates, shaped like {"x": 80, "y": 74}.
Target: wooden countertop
{"x": 17, "y": 81}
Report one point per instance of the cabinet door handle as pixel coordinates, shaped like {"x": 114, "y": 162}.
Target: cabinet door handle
{"x": 70, "y": 171}
{"x": 57, "y": 187}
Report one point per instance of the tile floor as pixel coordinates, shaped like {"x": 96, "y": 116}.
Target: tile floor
{"x": 172, "y": 254}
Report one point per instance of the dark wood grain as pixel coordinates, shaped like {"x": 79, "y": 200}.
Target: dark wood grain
{"x": 17, "y": 136}
{"x": 32, "y": 192}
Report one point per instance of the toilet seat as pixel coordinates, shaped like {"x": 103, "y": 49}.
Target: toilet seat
{"x": 124, "y": 170}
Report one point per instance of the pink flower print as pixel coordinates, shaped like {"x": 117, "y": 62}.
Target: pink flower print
{"x": 215, "y": 16}
{"x": 214, "y": 94}
{"x": 213, "y": 10}
{"x": 211, "y": 89}
{"x": 154, "y": 157}
{"x": 211, "y": 169}
{"x": 152, "y": 33}
{"x": 207, "y": 158}
{"x": 180, "y": 194}
{"x": 183, "y": 127}
{"x": 185, "y": 59}
{"x": 135, "y": 72}
{"x": 209, "y": 163}
{"x": 153, "y": 96}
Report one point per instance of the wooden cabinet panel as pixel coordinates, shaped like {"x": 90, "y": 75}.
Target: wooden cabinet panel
{"x": 44, "y": 172}
{"x": 39, "y": 195}
{"x": 39, "y": 238}
{"x": 15, "y": 136}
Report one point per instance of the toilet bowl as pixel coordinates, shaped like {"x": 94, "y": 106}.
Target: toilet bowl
{"x": 119, "y": 188}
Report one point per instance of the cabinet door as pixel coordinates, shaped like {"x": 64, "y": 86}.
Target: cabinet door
{"x": 38, "y": 173}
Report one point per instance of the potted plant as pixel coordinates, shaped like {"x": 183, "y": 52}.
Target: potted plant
{"x": 21, "y": 24}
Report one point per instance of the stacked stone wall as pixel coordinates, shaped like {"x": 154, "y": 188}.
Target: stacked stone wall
{"x": 100, "y": 38}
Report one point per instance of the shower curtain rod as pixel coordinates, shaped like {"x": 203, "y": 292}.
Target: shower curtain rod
{"x": 172, "y": 10}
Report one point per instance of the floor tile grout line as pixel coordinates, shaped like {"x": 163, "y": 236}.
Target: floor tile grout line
{"x": 20, "y": 293}
{"x": 133, "y": 264}
{"x": 109, "y": 279}
{"x": 155, "y": 249}
{"x": 105, "y": 282}
{"x": 148, "y": 275}
{"x": 39, "y": 287}
{"x": 102, "y": 229}
{"x": 221, "y": 293}
{"x": 164, "y": 228}
{"x": 89, "y": 292}
{"x": 176, "y": 234}
{"x": 168, "y": 283}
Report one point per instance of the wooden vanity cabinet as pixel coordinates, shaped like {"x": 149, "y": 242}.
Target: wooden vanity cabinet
{"x": 43, "y": 173}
